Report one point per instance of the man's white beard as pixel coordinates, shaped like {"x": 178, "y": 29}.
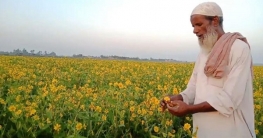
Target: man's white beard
{"x": 208, "y": 41}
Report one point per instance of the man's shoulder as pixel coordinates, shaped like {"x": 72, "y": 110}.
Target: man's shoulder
{"x": 239, "y": 45}
{"x": 239, "y": 50}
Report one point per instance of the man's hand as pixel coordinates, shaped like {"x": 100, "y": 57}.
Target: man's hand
{"x": 172, "y": 98}
{"x": 178, "y": 108}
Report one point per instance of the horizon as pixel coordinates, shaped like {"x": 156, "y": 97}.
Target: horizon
{"x": 143, "y": 29}
{"x": 117, "y": 58}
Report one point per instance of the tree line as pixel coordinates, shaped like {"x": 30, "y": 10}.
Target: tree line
{"x": 24, "y": 52}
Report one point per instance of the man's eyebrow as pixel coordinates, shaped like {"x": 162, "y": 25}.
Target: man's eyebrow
{"x": 198, "y": 23}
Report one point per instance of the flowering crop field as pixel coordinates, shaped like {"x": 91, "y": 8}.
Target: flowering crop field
{"x": 66, "y": 97}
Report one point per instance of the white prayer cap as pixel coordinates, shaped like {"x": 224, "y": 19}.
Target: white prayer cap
{"x": 208, "y": 9}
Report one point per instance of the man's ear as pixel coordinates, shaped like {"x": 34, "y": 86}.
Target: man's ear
{"x": 215, "y": 21}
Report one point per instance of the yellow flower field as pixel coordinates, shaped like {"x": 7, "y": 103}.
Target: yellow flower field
{"x": 66, "y": 97}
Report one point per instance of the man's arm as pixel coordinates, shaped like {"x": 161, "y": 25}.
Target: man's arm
{"x": 176, "y": 97}
{"x": 180, "y": 108}
{"x": 188, "y": 95}
{"x": 202, "y": 107}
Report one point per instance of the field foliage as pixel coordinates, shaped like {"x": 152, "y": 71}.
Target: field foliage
{"x": 66, "y": 97}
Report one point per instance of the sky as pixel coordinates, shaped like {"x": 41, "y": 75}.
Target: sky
{"x": 131, "y": 28}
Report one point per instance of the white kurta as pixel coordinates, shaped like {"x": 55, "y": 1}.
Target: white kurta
{"x": 231, "y": 96}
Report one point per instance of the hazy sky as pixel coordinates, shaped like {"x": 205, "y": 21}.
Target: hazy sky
{"x": 134, "y": 28}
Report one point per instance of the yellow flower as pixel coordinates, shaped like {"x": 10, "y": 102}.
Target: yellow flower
{"x": 128, "y": 82}
{"x": 156, "y": 129}
{"x": 120, "y": 85}
{"x": 175, "y": 91}
{"x": 122, "y": 122}
{"x": 131, "y": 102}
{"x": 104, "y": 117}
{"x": 165, "y": 88}
{"x": 48, "y": 120}
{"x": 36, "y": 117}
{"x": 32, "y": 111}
{"x": 144, "y": 112}
{"x": 187, "y": 126}
{"x": 18, "y": 112}
{"x": 258, "y": 107}
{"x": 170, "y": 134}
{"x": 166, "y": 98}
{"x": 256, "y": 131}
{"x": 115, "y": 84}
{"x": 82, "y": 107}
{"x": 57, "y": 127}
{"x": 33, "y": 104}
{"x": 12, "y": 108}
{"x": 133, "y": 115}
{"x": 28, "y": 103}
{"x": 79, "y": 126}
{"x": 18, "y": 98}
{"x": 143, "y": 122}
{"x": 150, "y": 112}
{"x": 132, "y": 108}
{"x": 169, "y": 123}
{"x": 2, "y": 101}
{"x": 139, "y": 111}
{"x": 159, "y": 87}
{"x": 98, "y": 109}
{"x": 160, "y": 109}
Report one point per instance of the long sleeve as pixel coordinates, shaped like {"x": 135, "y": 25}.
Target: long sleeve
{"x": 229, "y": 97}
{"x": 189, "y": 93}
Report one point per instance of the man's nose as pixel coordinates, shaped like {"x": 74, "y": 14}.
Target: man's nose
{"x": 195, "y": 31}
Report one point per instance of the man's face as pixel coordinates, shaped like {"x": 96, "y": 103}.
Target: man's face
{"x": 199, "y": 23}
{"x": 205, "y": 32}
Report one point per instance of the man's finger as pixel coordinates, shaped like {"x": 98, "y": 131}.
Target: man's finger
{"x": 175, "y": 102}
{"x": 163, "y": 106}
{"x": 172, "y": 110}
{"x": 173, "y": 106}
{"x": 163, "y": 109}
{"x": 168, "y": 106}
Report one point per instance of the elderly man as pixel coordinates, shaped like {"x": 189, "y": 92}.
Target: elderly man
{"x": 219, "y": 94}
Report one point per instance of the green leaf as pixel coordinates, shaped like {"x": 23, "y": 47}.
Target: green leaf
{"x": 164, "y": 135}
{"x": 49, "y": 114}
{"x": 153, "y": 136}
{"x": 75, "y": 136}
